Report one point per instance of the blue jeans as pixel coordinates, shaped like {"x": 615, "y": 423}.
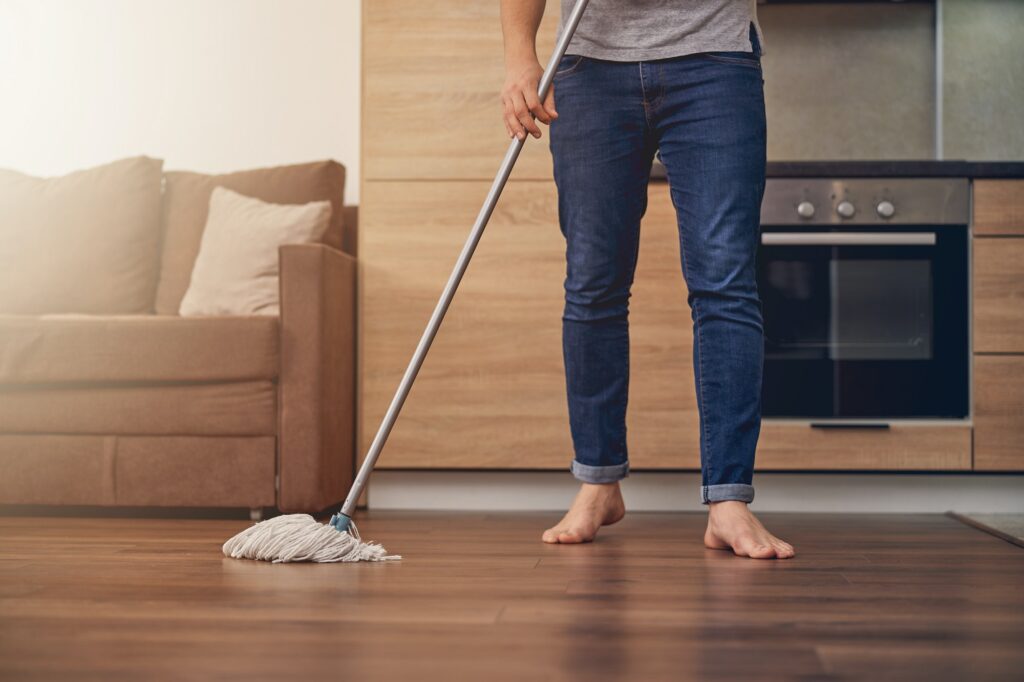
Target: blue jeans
{"x": 704, "y": 116}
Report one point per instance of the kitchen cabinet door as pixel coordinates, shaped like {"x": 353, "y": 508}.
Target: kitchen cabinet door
{"x": 999, "y": 413}
{"x": 998, "y": 295}
{"x": 902, "y": 447}
{"x": 491, "y": 394}
{"x": 999, "y": 207}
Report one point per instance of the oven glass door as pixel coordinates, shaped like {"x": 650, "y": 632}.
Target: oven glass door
{"x": 866, "y": 324}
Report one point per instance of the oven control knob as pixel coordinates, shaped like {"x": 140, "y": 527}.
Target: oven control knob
{"x": 805, "y": 209}
{"x": 885, "y": 209}
{"x": 845, "y": 209}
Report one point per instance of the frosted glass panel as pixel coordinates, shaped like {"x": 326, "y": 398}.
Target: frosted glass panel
{"x": 849, "y": 81}
{"x": 983, "y": 79}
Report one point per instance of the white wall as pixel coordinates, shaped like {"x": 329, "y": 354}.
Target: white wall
{"x": 207, "y": 85}
{"x": 667, "y": 491}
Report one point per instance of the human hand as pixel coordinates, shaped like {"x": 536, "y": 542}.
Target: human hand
{"x": 519, "y": 97}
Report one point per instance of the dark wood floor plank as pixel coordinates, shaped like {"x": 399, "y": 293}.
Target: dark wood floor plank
{"x": 478, "y": 596}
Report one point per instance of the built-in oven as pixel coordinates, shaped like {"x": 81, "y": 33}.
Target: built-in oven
{"x": 865, "y": 291}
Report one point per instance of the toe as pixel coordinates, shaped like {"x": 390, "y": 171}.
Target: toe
{"x": 550, "y": 535}
{"x": 570, "y": 537}
{"x": 759, "y": 550}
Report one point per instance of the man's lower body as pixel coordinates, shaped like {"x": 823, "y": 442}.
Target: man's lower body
{"x": 704, "y": 116}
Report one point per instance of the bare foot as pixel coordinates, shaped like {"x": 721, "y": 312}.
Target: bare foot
{"x": 596, "y": 505}
{"x": 731, "y": 525}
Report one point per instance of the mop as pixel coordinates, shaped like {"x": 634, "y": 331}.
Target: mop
{"x": 299, "y": 537}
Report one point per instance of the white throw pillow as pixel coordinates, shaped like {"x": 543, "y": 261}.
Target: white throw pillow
{"x": 236, "y": 271}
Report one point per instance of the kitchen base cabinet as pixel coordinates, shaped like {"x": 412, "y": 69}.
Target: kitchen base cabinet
{"x": 910, "y": 447}
{"x": 998, "y": 295}
{"x": 999, "y": 413}
{"x": 999, "y": 207}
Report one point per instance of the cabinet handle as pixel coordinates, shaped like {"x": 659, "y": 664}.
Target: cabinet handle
{"x": 839, "y": 425}
{"x": 848, "y": 238}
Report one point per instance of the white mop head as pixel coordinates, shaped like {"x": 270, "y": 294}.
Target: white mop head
{"x": 299, "y": 537}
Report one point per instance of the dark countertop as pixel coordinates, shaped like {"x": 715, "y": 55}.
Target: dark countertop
{"x": 874, "y": 169}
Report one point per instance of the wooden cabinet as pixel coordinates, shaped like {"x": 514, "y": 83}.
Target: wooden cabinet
{"x": 432, "y": 73}
{"x": 998, "y": 295}
{"x": 793, "y": 446}
{"x": 491, "y": 393}
{"x": 999, "y": 413}
{"x": 999, "y": 207}
{"x": 998, "y": 306}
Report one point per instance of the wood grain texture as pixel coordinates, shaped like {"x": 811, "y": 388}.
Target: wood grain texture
{"x": 999, "y": 413}
{"x": 491, "y": 393}
{"x": 432, "y": 73}
{"x": 900, "y": 447}
{"x": 479, "y": 597}
{"x": 999, "y": 207}
{"x": 998, "y": 295}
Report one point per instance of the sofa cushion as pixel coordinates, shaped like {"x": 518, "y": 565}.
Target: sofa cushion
{"x": 86, "y": 242}
{"x": 234, "y": 408}
{"x": 237, "y": 269}
{"x": 150, "y": 348}
{"x": 187, "y": 200}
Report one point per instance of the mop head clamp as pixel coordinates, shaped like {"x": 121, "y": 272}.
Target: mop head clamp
{"x": 299, "y": 537}
{"x": 340, "y": 522}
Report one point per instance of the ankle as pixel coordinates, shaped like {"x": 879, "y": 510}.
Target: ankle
{"x": 600, "y": 491}
{"x": 727, "y": 507}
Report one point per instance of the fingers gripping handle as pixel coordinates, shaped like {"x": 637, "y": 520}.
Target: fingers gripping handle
{"x": 448, "y": 294}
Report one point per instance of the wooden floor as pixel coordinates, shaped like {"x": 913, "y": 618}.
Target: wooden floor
{"x": 479, "y": 597}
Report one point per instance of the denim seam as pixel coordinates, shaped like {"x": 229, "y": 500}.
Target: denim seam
{"x": 643, "y": 96}
{"x": 659, "y": 91}
{"x": 625, "y": 393}
{"x": 706, "y": 465}
{"x": 570, "y": 69}
{"x": 700, "y": 387}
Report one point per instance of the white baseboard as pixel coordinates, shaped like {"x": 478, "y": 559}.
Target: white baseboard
{"x": 658, "y": 491}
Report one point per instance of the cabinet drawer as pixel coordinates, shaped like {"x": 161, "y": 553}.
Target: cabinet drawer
{"x": 999, "y": 413}
{"x": 999, "y": 207}
{"x": 909, "y": 447}
{"x": 998, "y": 295}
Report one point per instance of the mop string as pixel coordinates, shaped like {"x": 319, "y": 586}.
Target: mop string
{"x": 299, "y": 537}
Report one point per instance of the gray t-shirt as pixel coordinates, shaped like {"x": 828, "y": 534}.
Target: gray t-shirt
{"x": 639, "y": 30}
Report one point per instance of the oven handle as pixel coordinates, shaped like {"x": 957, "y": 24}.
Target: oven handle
{"x": 848, "y": 238}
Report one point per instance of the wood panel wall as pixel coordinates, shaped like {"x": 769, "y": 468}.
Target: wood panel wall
{"x": 431, "y": 76}
{"x": 492, "y": 391}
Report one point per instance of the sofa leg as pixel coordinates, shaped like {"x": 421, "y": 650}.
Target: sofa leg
{"x": 255, "y": 513}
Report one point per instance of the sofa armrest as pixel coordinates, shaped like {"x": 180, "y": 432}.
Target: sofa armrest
{"x": 316, "y": 409}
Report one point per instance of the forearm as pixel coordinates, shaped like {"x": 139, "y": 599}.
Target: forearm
{"x": 520, "y": 20}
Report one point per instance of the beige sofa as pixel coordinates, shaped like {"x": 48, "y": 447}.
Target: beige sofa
{"x": 122, "y": 402}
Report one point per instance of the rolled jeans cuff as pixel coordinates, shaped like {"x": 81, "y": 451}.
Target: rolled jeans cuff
{"x": 726, "y": 491}
{"x": 605, "y": 474}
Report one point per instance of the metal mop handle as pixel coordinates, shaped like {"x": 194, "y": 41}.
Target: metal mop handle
{"x": 453, "y": 282}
